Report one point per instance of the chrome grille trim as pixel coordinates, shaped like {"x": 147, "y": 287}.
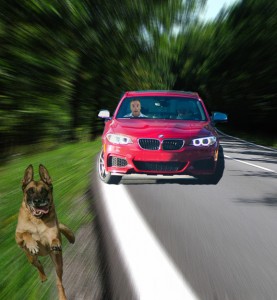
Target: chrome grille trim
{"x": 149, "y": 144}
{"x": 166, "y": 144}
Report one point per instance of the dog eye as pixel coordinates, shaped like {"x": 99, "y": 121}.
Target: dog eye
{"x": 31, "y": 191}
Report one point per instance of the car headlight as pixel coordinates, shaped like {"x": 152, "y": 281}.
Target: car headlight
{"x": 119, "y": 139}
{"x": 205, "y": 141}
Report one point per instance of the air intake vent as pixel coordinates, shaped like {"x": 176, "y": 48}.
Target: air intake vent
{"x": 159, "y": 166}
{"x": 114, "y": 161}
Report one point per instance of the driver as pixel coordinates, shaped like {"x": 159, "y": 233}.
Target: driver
{"x": 135, "y": 107}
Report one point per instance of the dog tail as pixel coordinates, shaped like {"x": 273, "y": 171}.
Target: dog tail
{"x": 67, "y": 233}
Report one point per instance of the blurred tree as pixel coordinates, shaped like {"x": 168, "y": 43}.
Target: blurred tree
{"x": 37, "y": 67}
{"x": 245, "y": 58}
{"x": 61, "y": 61}
{"x": 231, "y": 61}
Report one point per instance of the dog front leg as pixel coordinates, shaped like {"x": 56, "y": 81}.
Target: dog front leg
{"x": 33, "y": 259}
{"x": 58, "y": 261}
{"x": 24, "y": 239}
{"x": 19, "y": 239}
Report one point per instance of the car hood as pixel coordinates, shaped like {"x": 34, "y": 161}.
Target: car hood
{"x": 145, "y": 128}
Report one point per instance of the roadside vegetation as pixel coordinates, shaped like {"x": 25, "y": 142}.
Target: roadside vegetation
{"x": 259, "y": 138}
{"x": 70, "y": 168}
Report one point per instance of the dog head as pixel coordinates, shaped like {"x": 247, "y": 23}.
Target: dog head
{"x": 37, "y": 194}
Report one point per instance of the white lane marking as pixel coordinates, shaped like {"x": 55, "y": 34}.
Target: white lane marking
{"x": 152, "y": 271}
{"x": 247, "y": 163}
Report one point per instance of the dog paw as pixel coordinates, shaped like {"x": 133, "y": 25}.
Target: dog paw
{"x": 56, "y": 246}
{"x": 56, "y": 249}
{"x": 33, "y": 248}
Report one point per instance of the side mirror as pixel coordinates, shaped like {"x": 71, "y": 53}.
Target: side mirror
{"x": 104, "y": 114}
{"x": 218, "y": 117}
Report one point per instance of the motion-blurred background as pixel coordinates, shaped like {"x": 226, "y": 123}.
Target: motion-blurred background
{"x": 61, "y": 61}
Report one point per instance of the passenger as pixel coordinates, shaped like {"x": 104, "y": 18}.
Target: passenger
{"x": 184, "y": 114}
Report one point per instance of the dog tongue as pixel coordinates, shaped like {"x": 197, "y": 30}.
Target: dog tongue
{"x": 44, "y": 209}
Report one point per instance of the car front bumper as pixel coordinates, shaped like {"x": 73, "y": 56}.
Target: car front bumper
{"x": 190, "y": 160}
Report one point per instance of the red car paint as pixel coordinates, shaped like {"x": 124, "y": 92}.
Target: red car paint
{"x": 163, "y": 144}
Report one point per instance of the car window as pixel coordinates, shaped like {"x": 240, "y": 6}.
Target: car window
{"x": 164, "y": 107}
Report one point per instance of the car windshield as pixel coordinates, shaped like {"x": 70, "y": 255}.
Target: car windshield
{"x": 162, "y": 107}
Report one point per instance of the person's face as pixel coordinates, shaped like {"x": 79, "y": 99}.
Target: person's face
{"x": 135, "y": 108}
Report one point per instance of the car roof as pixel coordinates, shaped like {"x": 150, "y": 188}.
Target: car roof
{"x": 160, "y": 93}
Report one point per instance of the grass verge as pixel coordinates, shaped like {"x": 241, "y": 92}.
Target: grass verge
{"x": 69, "y": 167}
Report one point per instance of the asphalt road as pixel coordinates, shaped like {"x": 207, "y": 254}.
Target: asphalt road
{"x": 221, "y": 238}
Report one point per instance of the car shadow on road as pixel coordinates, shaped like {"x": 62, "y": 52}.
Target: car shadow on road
{"x": 253, "y": 153}
{"x": 259, "y": 174}
{"x": 270, "y": 200}
{"x": 180, "y": 181}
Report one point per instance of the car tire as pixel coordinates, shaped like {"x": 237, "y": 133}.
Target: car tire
{"x": 104, "y": 175}
{"x": 220, "y": 166}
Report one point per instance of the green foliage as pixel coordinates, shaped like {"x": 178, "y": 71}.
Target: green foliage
{"x": 231, "y": 62}
{"x": 62, "y": 61}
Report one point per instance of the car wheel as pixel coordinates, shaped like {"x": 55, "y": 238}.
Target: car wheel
{"x": 215, "y": 178}
{"x": 104, "y": 175}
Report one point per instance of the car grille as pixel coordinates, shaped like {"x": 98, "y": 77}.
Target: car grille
{"x": 159, "y": 166}
{"x": 171, "y": 144}
{"x": 149, "y": 144}
{"x": 114, "y": 161}
{"x": 154, "y": 144}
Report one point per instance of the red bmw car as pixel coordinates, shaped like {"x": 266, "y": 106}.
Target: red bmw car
{"x": 161, "y": 132}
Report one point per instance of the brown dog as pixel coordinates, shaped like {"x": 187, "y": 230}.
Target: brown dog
{"x": 38, "y": 231}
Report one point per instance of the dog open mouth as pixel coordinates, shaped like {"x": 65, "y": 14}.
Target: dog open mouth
{"x": 39, "y": 211}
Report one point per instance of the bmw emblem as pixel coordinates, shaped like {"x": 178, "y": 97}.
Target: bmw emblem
{"x": 161, "y": 136}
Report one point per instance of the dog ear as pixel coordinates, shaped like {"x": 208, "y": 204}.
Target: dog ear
{"x": 44, "y": 175}
{"x": 28, "y": 176}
